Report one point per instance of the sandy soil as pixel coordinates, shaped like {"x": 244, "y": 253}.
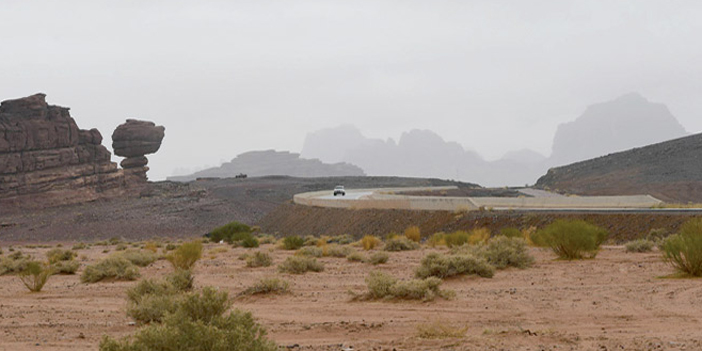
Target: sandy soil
{"x": 615, "y": 302}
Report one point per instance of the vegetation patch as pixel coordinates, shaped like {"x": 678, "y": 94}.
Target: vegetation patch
{"x": 35, "y": 275}
{"x": 369, "y": 242}
{"x": 116, "y": 268}
{"x": 440, "y": 330}
{"x": 400, "y": 244}
{"x": 640, "y": 245}
{"x": 384, "y": 286}
{"x": 230, "y": 233}
{"x": 198, "y": 323}
{"x": 684, "y": 250}
{"x": 186, "y": 255}
{"x": 443, "y": 266}
{"x": 378, "y": 258}
{"x": 456, "y": 238}
{"x": 571, "y": 239}
{"x": 501, "y": 252}
{"x": 413, "y": 233}
{"x": 300, "y": 265}
{"x": 292, "y": 242}
{"x": 13, "y": 263}
{"x": 258, "y": 259}
{"x": 150, "y": 300}
{"x": 268, "y": 286}
{"x": 141, "y": 258}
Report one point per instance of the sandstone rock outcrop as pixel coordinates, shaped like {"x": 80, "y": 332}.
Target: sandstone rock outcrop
{"x": 133, "y": 140}
{"x": 46, "y": 159}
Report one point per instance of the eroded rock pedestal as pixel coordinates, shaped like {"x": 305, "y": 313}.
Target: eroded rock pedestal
{"x": 132, "y": 140}
{"x": 46, "y": 159}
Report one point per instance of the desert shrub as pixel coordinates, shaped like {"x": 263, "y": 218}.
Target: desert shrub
{"x": 378, "y": 258}
{"x": 268, "y": 286}
{"x": 266, "y": 239}
{"x": 442, "y": 266}
{"x": 413, "y": 233}
{"x": 478, "y": 236}
{"x": 384, "y": 286}
{"x": 511, "y": 232}
{"x": 66, "y": 267}
{"x": 249, "y": 242}
{"x": 456, "y": 238}
{"x": 336, "y": 250}
{"x": 170, "y": 247}
{"x": 505, "y": 251}
{"x": 640, "y": 245}
{"x": 369, "y": 242}
{"x": 259, "y": 259}
{"x": 684, "y": 250}
{"x": 344, "y": 239}
{"x": 440, "y": 330}
{"x": 400, "y": 244}
{"x": 186, "y": 255}
{"x": 300, "y": 265}
{"x": 437, "y": 239}
{"x": 292, "y": 242}
{"x": 571, "y": 239}
{"x": 117, "y": 268}
{"x": 150, "y": 300}
{"x": 79, "y": 246}
{"x": 141, "y": 258}
{"x": 151, "y": 246}
{"x": 311, "y": 240}
{"x": 310, "y": 251}
{"x": 13, "y": 263}
{"x": 657, "y": 234}
{"x": 356, "y": 257}
{"x": 198, "y": 324}
{"x": 230, "y": 232}
{"x": 35, "y": 275}
{"x": 121, "y": 247}
{"x": 114, "y": 240}
{"x": 218, "y": 250}
{"x": 56, "y": 255}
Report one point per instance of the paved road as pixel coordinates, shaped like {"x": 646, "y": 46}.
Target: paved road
{"x": 350, "y": 195}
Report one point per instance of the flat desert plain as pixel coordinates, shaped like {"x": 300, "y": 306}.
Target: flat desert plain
{"x": 617, "y": 301}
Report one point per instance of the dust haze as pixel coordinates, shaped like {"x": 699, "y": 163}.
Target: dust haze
{"x": 228, "y": 77}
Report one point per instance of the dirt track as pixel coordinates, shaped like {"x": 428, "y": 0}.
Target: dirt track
{"x": 613, "y": 302}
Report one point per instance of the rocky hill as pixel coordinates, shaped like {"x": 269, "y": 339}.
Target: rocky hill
{"x": 45, "y": 159}
{"x": 271, "y": 162}
{"x": 670, "y": 171}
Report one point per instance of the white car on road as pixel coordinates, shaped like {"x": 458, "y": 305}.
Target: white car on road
{"x": 339, "y": 190}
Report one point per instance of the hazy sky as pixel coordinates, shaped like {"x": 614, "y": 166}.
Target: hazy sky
{"x": 225, "y": 77}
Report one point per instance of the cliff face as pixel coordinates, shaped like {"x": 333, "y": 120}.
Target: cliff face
{"x": 46, "y": 159}
{"x": 670, "y": 171}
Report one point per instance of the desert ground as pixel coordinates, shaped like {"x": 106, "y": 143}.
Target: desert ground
{"x": 617, "y": 301}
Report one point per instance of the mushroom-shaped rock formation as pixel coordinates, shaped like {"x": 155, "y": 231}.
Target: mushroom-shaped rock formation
{"x": 132, "y": 140}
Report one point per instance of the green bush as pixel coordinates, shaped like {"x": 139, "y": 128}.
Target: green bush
{"x": 442, "y": 266}
{"x": 571, "y": 239}
{"x": 249, "y": 242}
{"x": 657, "y": 234}
{"x": 170, "y": 247}
{"x": 13, "y": 263}
{"x": 384, "y": 286}
{"x": 56, "y": 255}
{"x": 356, "y": 257}
{"x": 35, "y": 275}
{"x": 378, "y": 258}
{"x": 198, "y": 324}
{"x": 266, "y": 239}
{"x": 259, "y": 259}
{"x": 456, "y": 238}
{"x": 684, "y": 250}
{"x": 437, "y": 239}
{"x": 293, "y": 242}
{"x": 511, "y": 232}
{"x": 506, "y": 251}
{"x": 150, "y": 300}
{"x": 400, "y": 244}
{"x": 268, "y": 286}
{"x": 413, "y": 233}
{"x": 230, "y": 232}
{"x": 310, "y": 251}
{"x": 640, "y": 245}
{"x": 336, "y": 250}
{"x": 186, "y": 255}
{"x": 79, "y": 246}
{"x": 311, "y": 240}
{"x": 141, "y": 258}
{"x": 117, "y": 268}
{"x": 66, "y": 267}
{"x": 344, "y": 239}
{"x": 300, "y": 265}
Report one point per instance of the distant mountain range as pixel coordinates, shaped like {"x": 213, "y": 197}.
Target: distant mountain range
{"x": 623, "y": 123}
{"x": 620, "y": 124}
{"x": 270, "y": 162}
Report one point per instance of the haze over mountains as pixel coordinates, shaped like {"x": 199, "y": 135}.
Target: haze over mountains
{"x": 623, "y": 123}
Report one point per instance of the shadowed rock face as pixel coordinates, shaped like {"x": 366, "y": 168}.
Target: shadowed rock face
{"x": 45, "y": 157}
{"x": 133, "y": 140}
